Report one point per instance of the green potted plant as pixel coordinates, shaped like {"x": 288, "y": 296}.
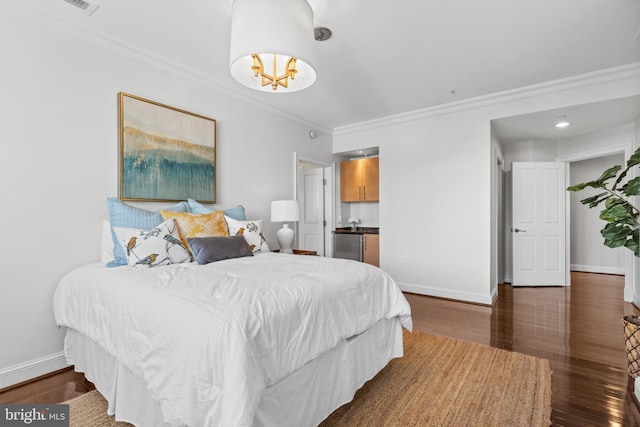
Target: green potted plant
{"x": 621, "y": 229}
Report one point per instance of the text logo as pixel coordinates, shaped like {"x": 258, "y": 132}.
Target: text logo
{"x": 54, "y": 415}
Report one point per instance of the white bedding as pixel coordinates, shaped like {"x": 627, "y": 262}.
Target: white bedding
{"x": 208, "y": 339}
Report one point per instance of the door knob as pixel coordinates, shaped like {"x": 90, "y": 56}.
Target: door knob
{"x": 517, "y": 230}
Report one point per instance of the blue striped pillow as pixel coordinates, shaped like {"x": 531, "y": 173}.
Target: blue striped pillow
{"x": 235, "y": 213}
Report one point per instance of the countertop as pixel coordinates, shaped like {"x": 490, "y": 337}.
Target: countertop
{"x": 358, "y": 230}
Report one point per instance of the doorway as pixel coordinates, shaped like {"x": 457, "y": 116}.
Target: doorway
{"x": 498, "y": 272}
{"x": 625, "y": 150}
{"x": 314, "y": 191}
{"x": 539, "y": 223}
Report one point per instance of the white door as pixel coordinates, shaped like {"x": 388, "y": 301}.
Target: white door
{"x": 311, "y": 199}
{"x": 539, "y": 229}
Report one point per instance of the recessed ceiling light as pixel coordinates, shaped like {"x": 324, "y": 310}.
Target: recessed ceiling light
{"x": 89, "y": 8}
{"x": 562, "y": 122}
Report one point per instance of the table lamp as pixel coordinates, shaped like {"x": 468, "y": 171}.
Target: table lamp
{"x": 285, "y": 211}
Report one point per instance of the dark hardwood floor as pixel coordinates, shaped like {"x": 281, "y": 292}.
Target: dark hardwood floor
{"x": 578, "y": 329}
{"x": 56, "y": 387}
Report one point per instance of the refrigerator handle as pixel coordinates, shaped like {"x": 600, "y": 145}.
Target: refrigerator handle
{"x": 361, "y": 247}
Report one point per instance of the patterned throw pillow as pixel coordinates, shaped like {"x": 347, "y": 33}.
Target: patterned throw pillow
{"x": 124, "y": 215}
{"x": 157, "y": 246}
{"x": 198, "y": 225}
{"x": 252, "y": 232}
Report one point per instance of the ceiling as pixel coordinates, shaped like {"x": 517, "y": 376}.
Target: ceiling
{"x": 584, "y": 119}
{"x": 385, "y": 58}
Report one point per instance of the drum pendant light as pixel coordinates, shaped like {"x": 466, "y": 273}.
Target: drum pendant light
{"x": 272, "y": 45}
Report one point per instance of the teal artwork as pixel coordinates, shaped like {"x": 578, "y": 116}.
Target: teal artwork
{"x": 166, "y": 154}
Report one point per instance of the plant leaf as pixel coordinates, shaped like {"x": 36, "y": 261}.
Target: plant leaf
{"x": 578, "y": 187}
{"x": 634, "y": 159}
{"x": 632, "y": 188}
{"x": 598, "y": 183}
{"x": 594, "y": 201}
{"x": 616, "y": 235}
{"x": 620, "y": 213}
{"x": 633, "y": 245}
{"x": 622, "y": 228}
{"x": 609, "y": 173}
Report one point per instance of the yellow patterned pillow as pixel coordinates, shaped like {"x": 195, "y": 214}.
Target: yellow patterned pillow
{"x": 198, "y": 225}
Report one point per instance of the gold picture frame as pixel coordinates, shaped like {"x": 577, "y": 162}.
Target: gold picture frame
{"x": 165, "y": 153}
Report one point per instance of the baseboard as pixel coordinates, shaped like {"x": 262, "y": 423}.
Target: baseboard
{"x": 447, "y": 293}
{"x": 32, "y": 369}
{"x": 597, "y": 269}
{"x": 494, "y": 295}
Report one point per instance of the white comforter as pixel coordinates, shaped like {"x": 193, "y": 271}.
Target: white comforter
{"x": 208, "y": 339}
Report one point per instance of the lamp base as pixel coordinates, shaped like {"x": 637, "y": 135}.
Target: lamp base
{"x": 285, "y": 238}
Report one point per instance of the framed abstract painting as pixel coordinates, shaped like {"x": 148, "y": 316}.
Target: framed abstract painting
{"x": 166, "y": 154}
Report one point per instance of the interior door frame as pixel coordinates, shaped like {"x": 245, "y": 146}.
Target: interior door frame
{"x": 498, "y": 223}
{"x": 630, "y": 272}
{"x": 566, "y": 271}
{"x": 329, "y": 193}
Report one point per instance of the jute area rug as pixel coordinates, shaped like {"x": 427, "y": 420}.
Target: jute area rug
{"x": 439, "y": 382}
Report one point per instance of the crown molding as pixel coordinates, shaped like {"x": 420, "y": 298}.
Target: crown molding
{"x": 625, "y": 149}
{"x": 76, "y": 24}
{"x": 581, "y": 80}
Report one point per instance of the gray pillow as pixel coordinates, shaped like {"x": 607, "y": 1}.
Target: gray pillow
{"x": 212, "y": 249}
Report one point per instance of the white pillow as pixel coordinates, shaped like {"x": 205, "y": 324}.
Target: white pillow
{"x": 252, "y": 232}
{"x": 160, "y": 245}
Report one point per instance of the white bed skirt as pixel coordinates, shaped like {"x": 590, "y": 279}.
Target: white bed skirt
{"x": 304, "y": 398}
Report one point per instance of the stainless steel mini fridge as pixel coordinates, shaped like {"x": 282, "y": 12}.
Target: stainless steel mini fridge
{"x": 348, "y": 246}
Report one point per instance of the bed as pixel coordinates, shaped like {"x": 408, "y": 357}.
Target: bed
{"x": 265, "y": 340}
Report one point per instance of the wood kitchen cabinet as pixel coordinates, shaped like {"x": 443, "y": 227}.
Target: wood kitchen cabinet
{"x": 359, "y": 180}
{"x": 372, "y": 249}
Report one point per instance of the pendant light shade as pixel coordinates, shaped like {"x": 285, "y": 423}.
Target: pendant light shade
{"x": 265, "y": 33}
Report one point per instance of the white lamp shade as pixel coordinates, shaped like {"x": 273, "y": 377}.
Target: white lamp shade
{"x": 285, "y": 211}
{"x": 280, "y": 27}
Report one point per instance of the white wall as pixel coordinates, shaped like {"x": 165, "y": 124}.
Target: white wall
{"x": 529, "y": 151}
{"x": 59, "y": 163}
{"x": 429, "y": 206}
{"x": 594, "y": 143}
{"x": 367, "y": 212}
{"x": 436, "y": 183}
{"x": 587, "y": 251}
